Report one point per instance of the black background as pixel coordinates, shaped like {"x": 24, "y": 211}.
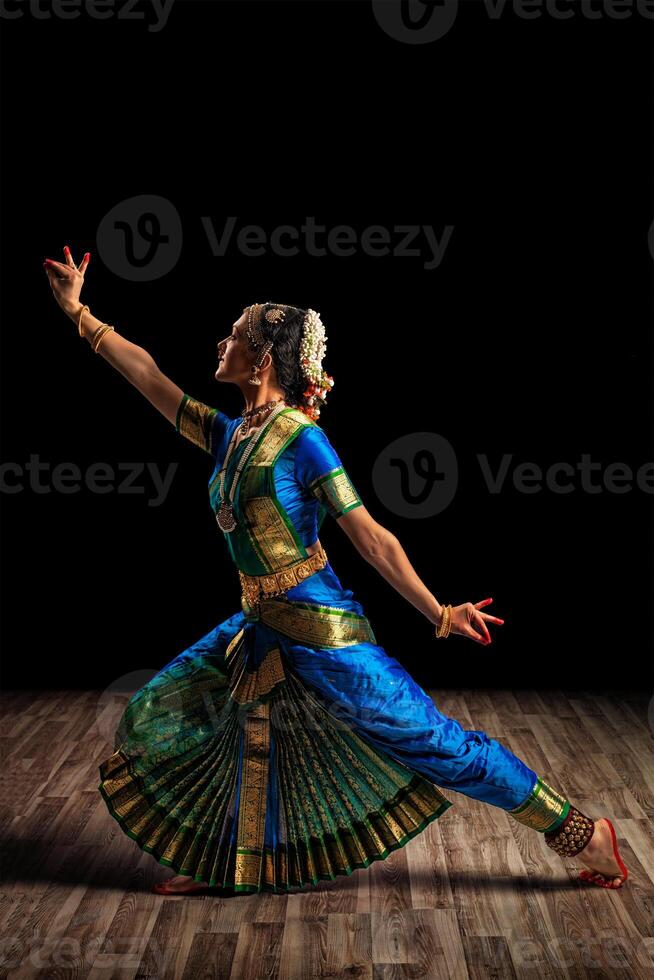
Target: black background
{"x": 532, "y": 138}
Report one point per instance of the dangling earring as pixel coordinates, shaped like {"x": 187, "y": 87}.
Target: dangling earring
{"x": 254, "y": 380}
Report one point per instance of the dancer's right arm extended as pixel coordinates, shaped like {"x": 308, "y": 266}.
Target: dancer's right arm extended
{"x": 133, "y": 362}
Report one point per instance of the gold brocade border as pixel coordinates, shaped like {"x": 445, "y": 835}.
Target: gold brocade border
{"x": 252, "y": 803}
{"x": 274, "y": 539}
{"x": 315, "y": 624}
{"x": 194, "y": 421}
{"x": 272, "y": 536}
{"x": 249, "y": 686}
{"x": 336, "y": 492}
{"x": 543, "y": 809}
{"x": 283, "y": 426}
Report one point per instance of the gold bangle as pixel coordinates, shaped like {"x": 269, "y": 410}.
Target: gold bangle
{"x": 443, "y": 629}
{"x": 92, "y": 336}
{"x": 102, "y": 338}
{"x": 98, "y": 333}
{"x": 99, "y": 336}
{"x": 79, "y": 322}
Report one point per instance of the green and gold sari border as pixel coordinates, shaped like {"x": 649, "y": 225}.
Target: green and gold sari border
{"x": 331, "y": 610}
{"x": 324, "y": 477}
{"x": 346, "y": 869}
{"x": 544, "y": 808}
{"x": 194, "y": 420}
{"x": 346, "y": 510}
{"x": 335, "y": 492}
{"x": 314, "y": 624}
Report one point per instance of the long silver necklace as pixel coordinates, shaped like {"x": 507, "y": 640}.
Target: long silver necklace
{"x": 225, "y": 516}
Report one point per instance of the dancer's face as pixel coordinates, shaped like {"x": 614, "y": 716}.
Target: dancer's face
{"x": 235, "y": 358}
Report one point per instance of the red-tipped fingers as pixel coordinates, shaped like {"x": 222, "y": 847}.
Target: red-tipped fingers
{"x": 58, "y": 266}
{"x": 484, "y": 628}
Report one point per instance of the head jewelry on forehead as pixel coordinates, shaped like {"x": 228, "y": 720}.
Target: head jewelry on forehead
{"x": 312, "y": 350}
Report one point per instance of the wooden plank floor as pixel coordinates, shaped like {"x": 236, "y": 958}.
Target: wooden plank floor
{"x": 475, "y": 895}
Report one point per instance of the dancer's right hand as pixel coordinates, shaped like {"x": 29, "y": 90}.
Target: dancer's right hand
{"x": 467, "y": 620}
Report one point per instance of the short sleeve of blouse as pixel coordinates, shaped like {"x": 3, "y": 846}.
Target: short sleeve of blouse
{"x": 200, "y": 424}
{"x": 319, "y": 470}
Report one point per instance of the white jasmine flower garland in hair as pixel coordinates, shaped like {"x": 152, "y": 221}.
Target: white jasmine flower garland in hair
{"x": 312, "y": 351}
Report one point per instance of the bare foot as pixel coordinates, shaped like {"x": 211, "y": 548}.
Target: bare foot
{"x": 605, "y": 865}
{"x": 178, "y": 885}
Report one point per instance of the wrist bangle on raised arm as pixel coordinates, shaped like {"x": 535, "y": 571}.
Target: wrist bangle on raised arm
{"x": 79, "y": 322}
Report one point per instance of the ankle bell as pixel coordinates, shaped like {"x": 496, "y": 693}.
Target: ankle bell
{"x": 572, "y": 835}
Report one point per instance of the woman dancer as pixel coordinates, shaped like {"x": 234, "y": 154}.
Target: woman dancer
{"x": 285, "y": 746}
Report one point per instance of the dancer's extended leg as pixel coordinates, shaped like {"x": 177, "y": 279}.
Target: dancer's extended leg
{"x": 375, "y": 695}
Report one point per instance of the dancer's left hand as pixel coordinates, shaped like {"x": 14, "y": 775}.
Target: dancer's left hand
{"x": 467, "y": 620}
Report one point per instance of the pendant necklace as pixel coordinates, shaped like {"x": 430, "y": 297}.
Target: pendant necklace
{"x": 225, "y": 516}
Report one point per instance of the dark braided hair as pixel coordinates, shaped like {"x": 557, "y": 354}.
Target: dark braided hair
{"x": 285, "y": 352}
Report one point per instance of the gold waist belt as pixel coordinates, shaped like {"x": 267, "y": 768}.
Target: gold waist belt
{"x": 310, "y": 623}
{"x": 257, "y": 587}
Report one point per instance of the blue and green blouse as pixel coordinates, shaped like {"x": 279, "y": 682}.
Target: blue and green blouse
{"x": 292, "y": 479}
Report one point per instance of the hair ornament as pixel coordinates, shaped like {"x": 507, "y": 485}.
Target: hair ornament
{"x": 312, "y": 350}
{"x": 313, "y": 347}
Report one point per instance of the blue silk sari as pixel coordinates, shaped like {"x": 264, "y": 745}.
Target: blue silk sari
{"x": 286, "y": 746}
